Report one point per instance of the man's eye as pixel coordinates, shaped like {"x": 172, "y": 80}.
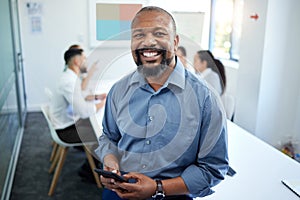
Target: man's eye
{"x": 139, "y": 35}
{"x": 159, "y": 34}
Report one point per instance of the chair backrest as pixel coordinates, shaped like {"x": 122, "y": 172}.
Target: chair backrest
{"x": 48, "y": 93}
{"x": 229, "y": 105}
{"x": 45, "y": 111}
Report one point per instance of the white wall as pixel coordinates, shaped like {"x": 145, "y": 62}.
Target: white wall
{"x": 268, "y": 82}
{"x": 280, "y": 77}
{"x": 250, "y": 64}
{"x": 63, "y": 23}
{"x": 297, "y": 120}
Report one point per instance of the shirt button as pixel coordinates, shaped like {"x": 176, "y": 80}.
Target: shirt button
{"x": 148, "y": 142}
{"x": 150, "y": 118}
{"x": 144, "y": 166}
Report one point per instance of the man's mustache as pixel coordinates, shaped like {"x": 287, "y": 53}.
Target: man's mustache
{"x": 162, "y": 50}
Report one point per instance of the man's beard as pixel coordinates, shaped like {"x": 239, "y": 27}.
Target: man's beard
{"x": 153, "y": 72}
{"x": 83, "y": 68}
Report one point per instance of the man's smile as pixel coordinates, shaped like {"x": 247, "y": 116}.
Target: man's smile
{"x": 150, "y": 54}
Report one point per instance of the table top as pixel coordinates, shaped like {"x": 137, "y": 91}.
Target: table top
{"x": 260, "y": 169}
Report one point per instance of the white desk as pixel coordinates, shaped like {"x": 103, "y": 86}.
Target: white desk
{"x": 96, "y": 121}
{"x": 260, "y": 169}
{"x": 101, "y": 86}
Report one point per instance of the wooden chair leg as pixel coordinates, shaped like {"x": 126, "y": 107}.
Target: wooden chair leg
{"x": 93, "y": 166}
{"x": 58, "y": 169}
{"x": 55, "y": 160}
{"x": 54, "y": 149}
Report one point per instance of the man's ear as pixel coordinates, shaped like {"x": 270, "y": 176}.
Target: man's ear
{"x": 76, "y": 60}
{"x": 176, "y": 42}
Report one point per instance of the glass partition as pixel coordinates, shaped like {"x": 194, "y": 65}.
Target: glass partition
{"x": 12, "y": 94}
{"x": 9, "y": 127}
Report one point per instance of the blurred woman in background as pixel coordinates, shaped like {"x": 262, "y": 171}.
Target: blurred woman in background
{"x": 210, "y": 70}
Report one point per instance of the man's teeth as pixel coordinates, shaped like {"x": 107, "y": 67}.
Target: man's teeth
{"x": 149, "y": 54}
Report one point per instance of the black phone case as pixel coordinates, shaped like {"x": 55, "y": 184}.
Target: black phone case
{"x": 108, "y": 174}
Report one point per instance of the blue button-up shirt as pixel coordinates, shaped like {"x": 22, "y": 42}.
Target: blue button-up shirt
{"x": 179, "y": 130}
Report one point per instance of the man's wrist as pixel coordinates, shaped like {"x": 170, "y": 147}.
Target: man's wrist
{"x": 159, "y": 192}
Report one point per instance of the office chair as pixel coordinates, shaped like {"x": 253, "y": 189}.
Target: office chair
{"x": 62, "y": 152}
{"x": 229, "y": 105}
{"x": 49, "y": 94}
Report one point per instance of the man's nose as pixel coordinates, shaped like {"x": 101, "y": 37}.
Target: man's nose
{"x": 149, "y": 40}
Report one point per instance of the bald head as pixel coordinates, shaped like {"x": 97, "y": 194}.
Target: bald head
{"x": 155, "y": 9}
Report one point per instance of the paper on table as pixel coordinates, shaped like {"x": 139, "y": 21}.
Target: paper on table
{"x": 293, "y": 185}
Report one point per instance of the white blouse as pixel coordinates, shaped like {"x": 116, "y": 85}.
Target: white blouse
{"x": 213, "y": 79}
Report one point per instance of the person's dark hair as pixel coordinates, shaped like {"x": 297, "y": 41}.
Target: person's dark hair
{"x": 215, "y": 65}
{"x": 182, "y": 49}
{"x": 75, "y": 46}
{"x": 156, "y": 9}
{"x": 206, "y": 55}
{"x": 70, "y": 53}
{"x": 222, "y": 74}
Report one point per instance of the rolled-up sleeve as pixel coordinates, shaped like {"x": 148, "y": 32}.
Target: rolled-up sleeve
{"x": 212, "y": 160}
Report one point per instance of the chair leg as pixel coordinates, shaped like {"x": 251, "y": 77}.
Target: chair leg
{"x": 93, "y": 166}
{"x": 55, "y": 160}
{"x": 54, "y": 149}
{"x": 58, "y": 169}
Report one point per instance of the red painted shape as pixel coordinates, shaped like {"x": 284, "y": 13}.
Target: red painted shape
{"x": 254, "y": 16}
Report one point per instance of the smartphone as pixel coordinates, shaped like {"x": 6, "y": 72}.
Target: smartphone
{"x": 108, "y": 174}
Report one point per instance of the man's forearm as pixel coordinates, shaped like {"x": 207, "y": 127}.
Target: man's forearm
{"x": 174, "y": 186}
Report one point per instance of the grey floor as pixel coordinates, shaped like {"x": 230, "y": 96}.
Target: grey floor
{"x": 32, "y": 180}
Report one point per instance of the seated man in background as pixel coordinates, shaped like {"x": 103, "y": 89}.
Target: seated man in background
{"x": 68, "y": 104}
{"x": 85, "y": 73}
{"x": 69, "y": 109}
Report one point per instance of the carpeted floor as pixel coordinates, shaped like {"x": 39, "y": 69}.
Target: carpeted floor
{"x": 32, "y": 180}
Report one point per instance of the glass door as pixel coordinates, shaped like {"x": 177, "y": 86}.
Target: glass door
{"x": 18, "y": 56}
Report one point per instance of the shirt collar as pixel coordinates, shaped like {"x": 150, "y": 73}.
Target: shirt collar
{"x": 177, "y": 77}
{"x": 71, "y": 73}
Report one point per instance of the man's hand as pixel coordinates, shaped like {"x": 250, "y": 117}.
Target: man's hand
{"x": 110, "y": 164}
{"x": 92, "y": 97}
{"x": 144, "y": 187}
{"x": 100, "y": 96}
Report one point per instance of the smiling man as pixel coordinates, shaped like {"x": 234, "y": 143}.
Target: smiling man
{"x": 163, "y": 129}
{"x": 153, "y": 44}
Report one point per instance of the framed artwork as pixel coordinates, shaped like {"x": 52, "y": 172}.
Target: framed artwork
{"x": 110, "y": 21}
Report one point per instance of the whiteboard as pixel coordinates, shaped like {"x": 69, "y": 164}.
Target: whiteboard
{"x": 190, "y": 24}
